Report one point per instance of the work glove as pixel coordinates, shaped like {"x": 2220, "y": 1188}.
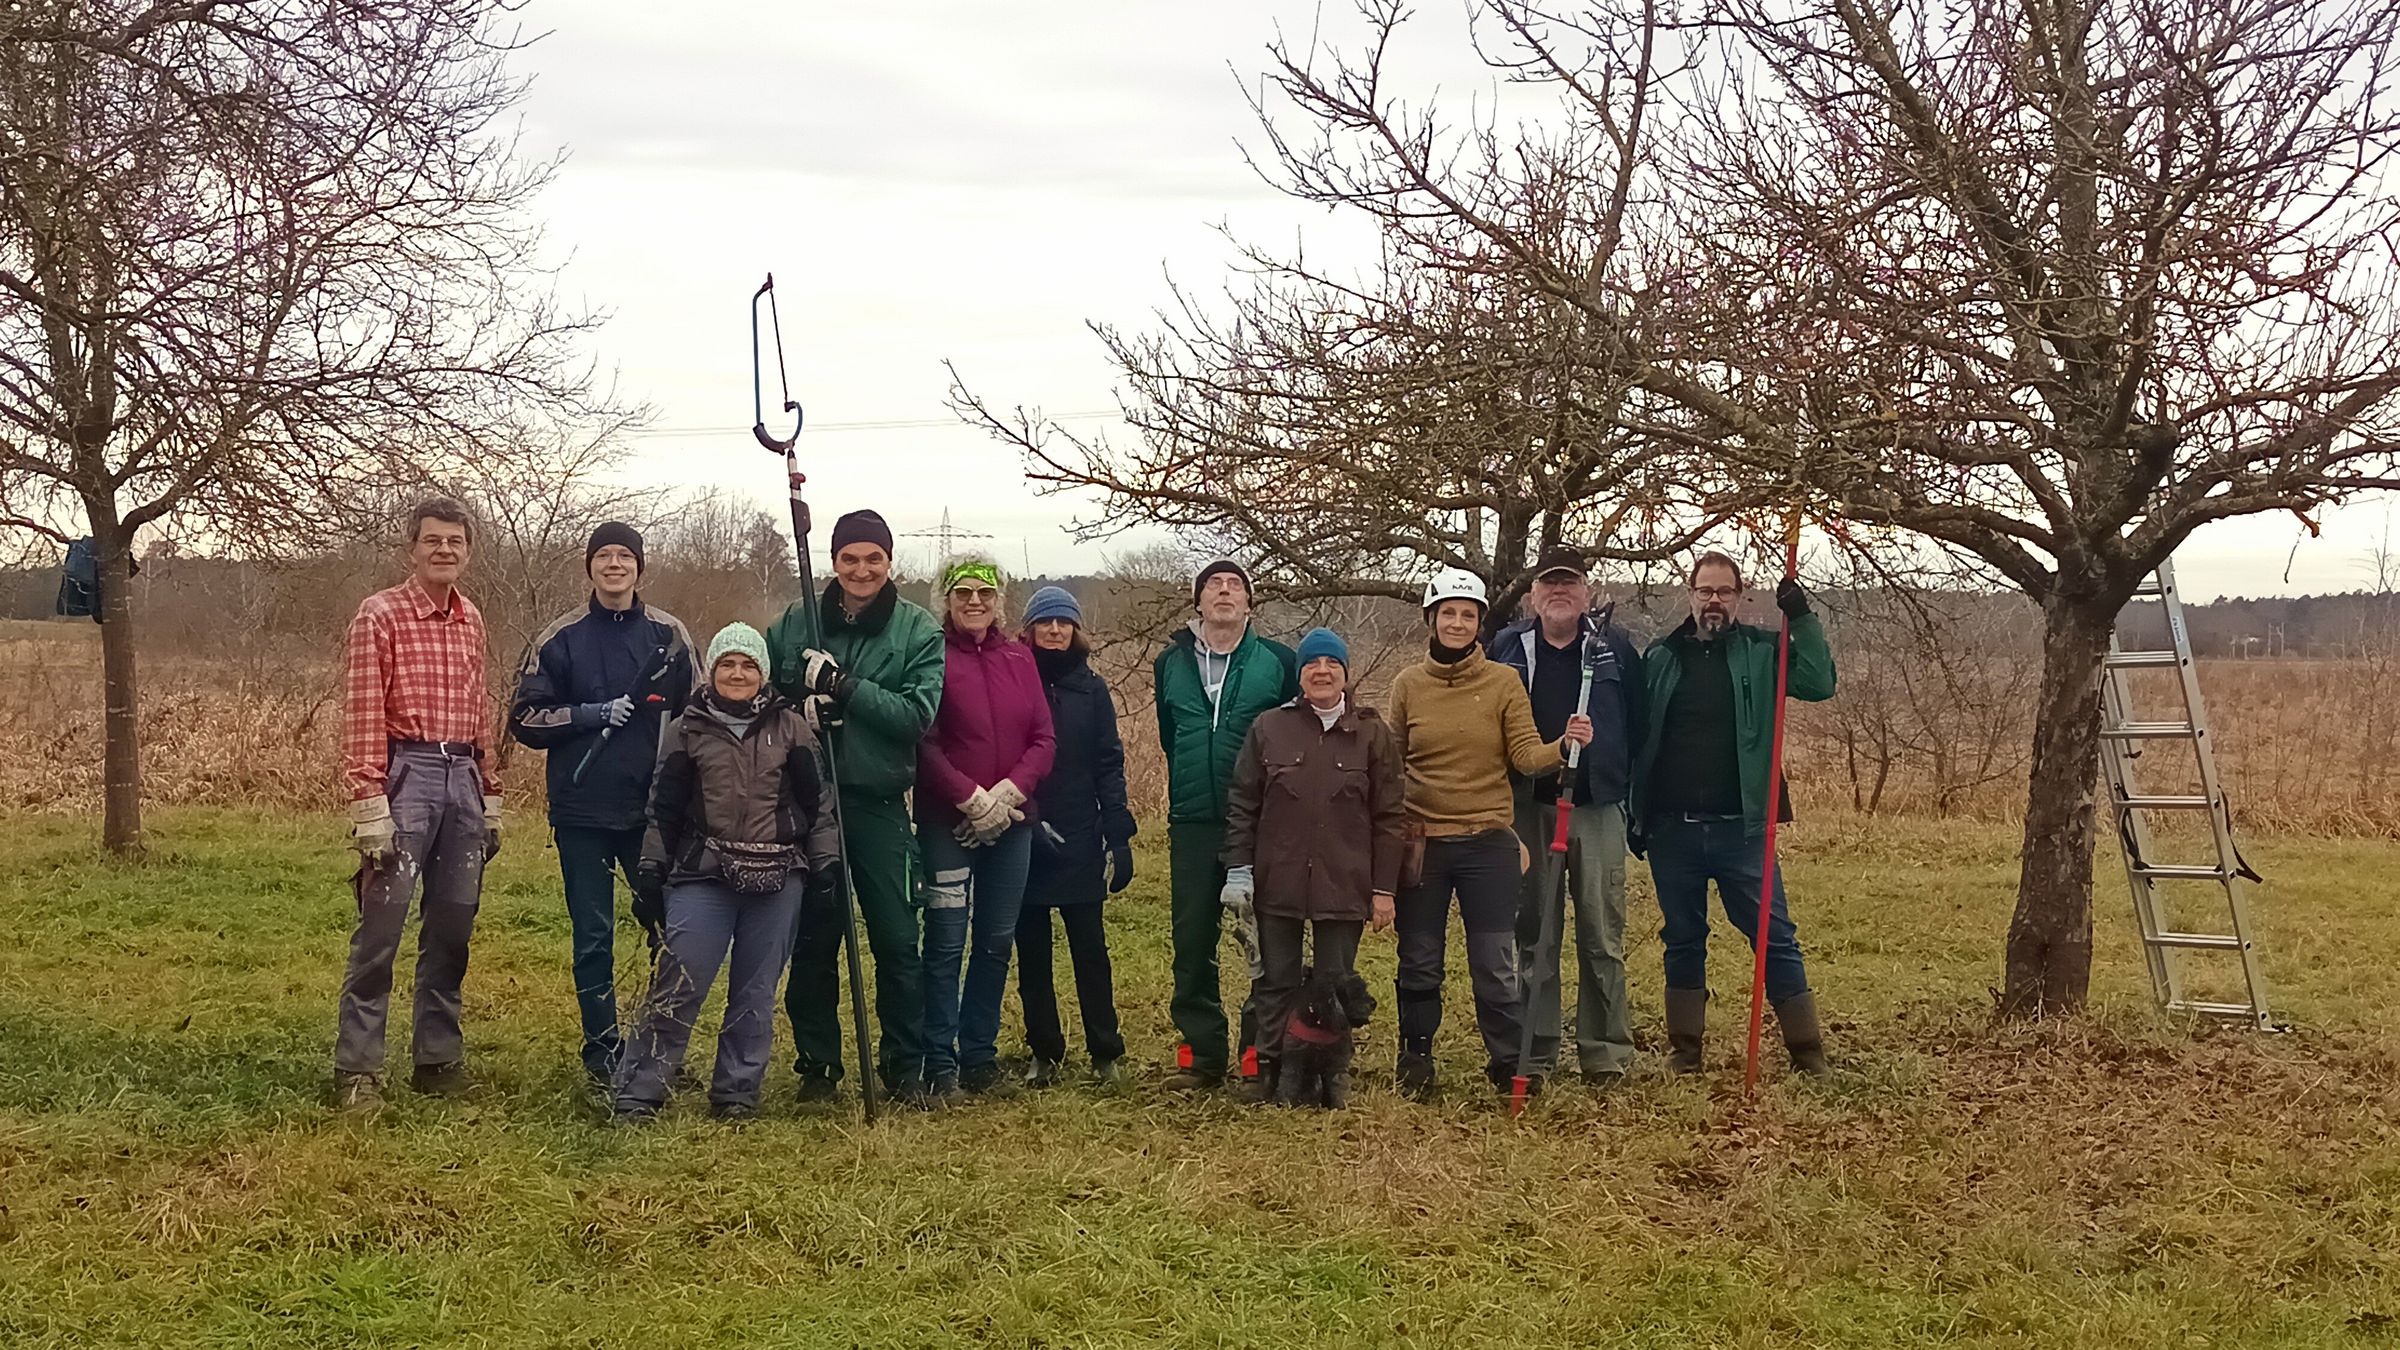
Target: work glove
{"x": 1238, "y": 890}
{"x": 1119, "y": 868}
{"x": 985, "y": 818}
{"x": 650, "y": 895}
{"x": 372, "y": 831}
{"x": 820, "y": 714}
{"x": 821, "y": 674}
{"x": 1008, "y": 792}
{"x": 614, "y": 713}
{"x": 824, "y": 886}
{"x": 1791, "y": 599}
{"x": 491, "y": 827}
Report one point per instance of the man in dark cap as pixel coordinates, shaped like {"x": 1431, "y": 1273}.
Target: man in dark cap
{"x": 596, "y": 688}
{"x": 873, "y": 688}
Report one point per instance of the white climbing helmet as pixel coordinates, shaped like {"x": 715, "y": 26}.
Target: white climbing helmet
{"x": 1453, "y": 583}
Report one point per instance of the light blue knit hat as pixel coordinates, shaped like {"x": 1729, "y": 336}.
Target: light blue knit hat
{"x": 738, "y": 637}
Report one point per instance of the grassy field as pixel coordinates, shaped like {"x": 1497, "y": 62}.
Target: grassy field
{"x": 169, "y": 1175}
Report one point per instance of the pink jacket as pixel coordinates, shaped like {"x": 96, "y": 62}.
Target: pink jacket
{"x": 994, "y": 723}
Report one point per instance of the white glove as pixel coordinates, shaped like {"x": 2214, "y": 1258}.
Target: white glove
{"x": 1008, "y": 792}
{"x": 372, "y": 830}
{"x": 817, "y": 710}
{"x": 1238, "y": 891}
{"x": 819, "y": 672}
{"x": 620, "y": 710}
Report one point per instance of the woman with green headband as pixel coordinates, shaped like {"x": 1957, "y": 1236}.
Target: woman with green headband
{"x": 977, "y": 769}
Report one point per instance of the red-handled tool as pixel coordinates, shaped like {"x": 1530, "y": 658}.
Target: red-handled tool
{"x": 1766, "y": 883}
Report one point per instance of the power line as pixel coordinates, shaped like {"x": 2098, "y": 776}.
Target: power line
{"x": 888, "y": 424}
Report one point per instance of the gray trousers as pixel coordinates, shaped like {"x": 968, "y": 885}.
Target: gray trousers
{"x": 1596, "y": 884}
{"x": 1280, "y": 943}
{"x": 438, "y": 838}
{"x": 704, "y": 919}
{"x": 1481, "y": 870}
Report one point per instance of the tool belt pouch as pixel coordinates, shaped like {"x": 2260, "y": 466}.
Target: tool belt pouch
{"x": 1412, "y": 852}
{"x": 754, "y": 869}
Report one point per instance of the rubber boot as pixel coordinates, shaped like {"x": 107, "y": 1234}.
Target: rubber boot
{"x": 1803, "y": 1039}
{"x": 1687, "y": 1024}
{"x": 1414, "y": 1071}
{"x": 1258, "y": 1085}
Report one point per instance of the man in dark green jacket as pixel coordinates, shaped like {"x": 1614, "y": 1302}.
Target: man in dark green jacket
{"x": 876, "y": 682}
{"x": 1210, "y": 683}
{"x": 1701, "y": 797}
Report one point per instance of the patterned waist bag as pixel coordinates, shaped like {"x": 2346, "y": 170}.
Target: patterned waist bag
{"x": 754, "y": 869}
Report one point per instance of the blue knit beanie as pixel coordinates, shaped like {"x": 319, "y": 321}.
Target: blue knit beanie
{"x": 1324, "y": 642}
{"x": 1053, "y": 602}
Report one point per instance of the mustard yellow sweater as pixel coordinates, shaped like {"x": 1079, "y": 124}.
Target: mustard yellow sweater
{"x": 1462, "y": 728}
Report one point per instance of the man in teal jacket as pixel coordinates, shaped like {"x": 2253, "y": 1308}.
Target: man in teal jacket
{"x": 1210, "y": 684}
{"x": 876, "y": 682}
{"x": 1701, "y": 797}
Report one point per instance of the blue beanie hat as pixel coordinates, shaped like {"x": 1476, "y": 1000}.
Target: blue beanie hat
{"x": 1053, "y": 602}
{"x": 1324, "y": 642}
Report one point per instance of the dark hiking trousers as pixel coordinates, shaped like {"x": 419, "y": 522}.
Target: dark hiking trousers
{"x": 437, "y": 818}
{"x": 588, "y": 863}
{"x": 882, "y": 851}
{"x": 1481, "y": 870}
{"x": 704, "y": 920}
{"x": 1195, "y": 879}
{"x": 1279, "y": 950}
{"x": 1095, "y": 982}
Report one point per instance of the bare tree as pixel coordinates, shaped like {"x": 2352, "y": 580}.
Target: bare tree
{"x": 260, "y": 261}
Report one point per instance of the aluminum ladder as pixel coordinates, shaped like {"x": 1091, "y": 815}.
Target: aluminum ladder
{"x": 2124, "y": 740}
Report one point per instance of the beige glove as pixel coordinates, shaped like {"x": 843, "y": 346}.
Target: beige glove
{"x": 372, "y": 831}
{"x": 994, "y": 822}
{"x": 1008, "y": 792}
{"x": 491, "y": 828}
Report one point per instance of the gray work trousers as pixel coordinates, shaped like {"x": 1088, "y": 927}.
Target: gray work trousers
{"x": 704, "y": 919}
{"x": 438, "y": 840}
{"x": 1596, "y": 883}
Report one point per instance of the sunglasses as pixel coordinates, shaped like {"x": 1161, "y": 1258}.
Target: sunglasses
{"x": 975, "y": 595}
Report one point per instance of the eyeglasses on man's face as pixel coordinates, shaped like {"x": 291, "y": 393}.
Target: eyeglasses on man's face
{"x": 1716, "y": 592}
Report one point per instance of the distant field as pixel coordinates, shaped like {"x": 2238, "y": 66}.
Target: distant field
{"x": 169, "y": 1176}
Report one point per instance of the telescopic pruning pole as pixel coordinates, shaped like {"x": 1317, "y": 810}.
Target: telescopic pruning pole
{"x": 1766, "y": 885}
{"x": 1545, "y": 951}
{"x": 816, "y": 639}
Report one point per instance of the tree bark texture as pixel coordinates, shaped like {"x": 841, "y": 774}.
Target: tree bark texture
{"x": 2050, "y": 938}
{"x": 121, "y": 758}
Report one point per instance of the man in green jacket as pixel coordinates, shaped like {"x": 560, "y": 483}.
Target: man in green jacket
{"x": 1210, "y": 683}
{"x": 1701, "y": 797}
{"x": 875, "y": 685}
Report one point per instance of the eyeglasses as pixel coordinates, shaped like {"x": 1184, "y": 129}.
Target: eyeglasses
{"x": 1716, "y": 592}
{"x": 975, "y": 595}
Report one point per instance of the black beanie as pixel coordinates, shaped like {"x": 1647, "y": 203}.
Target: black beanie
{"x": 861, "y": 527}
{"x": 614, "y": 532}
{"x": 1200, "y": 582}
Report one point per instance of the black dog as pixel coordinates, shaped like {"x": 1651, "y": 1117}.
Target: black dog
{"x": 1317, "y": 1040}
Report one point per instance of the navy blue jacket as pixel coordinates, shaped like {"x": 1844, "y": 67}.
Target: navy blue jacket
{"x": 591, "y": 655}
{"x": 1616, "y": 707}
{"x": 1083, "y": 799}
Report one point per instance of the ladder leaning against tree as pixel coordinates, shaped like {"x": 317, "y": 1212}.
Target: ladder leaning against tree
{"x": 2166, "y": 942}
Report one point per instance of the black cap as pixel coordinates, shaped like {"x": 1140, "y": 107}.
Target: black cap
{"x": 861, "y": 527}
{"x": 1218, "y": 567}
{"x": 1561, "y": 560}
{"x": 614, "y": 532}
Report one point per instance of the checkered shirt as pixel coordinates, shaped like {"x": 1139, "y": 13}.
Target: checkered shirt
{"x": 412, "y": 671}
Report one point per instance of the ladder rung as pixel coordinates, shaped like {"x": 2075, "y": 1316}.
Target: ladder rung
{"x": 2210, "y": 941}
{"x": 2241, "y": 1010}
{"x": 2139, "y": 660}
{"x": 2149, "y": 731}
{"x": 2165, "y": 803}
{"x": 2149, "y": 588}
{"x": 2180, "y": 871}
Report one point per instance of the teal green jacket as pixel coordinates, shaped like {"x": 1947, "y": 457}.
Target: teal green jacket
{"x": 1752, "y": 664}
{"x": 1203, "y": 740}
{"x": 894, "y": 649}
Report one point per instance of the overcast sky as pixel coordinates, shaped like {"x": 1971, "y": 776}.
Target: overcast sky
{"x": 972, "y": 181}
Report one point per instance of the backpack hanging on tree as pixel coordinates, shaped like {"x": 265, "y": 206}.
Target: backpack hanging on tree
{"x": 79, "y": 582}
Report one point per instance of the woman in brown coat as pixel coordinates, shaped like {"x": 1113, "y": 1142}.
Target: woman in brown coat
{"x": 1313, "y": 833}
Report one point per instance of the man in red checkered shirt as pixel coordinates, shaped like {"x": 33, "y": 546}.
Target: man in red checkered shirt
{"x": 424, "y": 805}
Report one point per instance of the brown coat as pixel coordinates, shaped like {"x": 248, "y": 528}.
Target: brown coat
{"x": 1316, "y": 812}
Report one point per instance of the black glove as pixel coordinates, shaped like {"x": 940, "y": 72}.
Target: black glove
{"x": 650, "y": 895}
{"x": 1120, "y": 867}
{"x": 1791, "y": 599}
{"x": 824, "y": 886}
{"x": 1636, "y": 843}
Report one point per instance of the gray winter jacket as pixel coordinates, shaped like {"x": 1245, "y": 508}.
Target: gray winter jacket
{"x": 760, "y": 784}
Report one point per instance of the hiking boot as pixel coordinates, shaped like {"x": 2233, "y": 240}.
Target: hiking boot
{"x": 1803, "y": 1039}
{"x": 909, "y": 1091}
{"x": 1603, "y": 1081}
{"x": 360, "y": 1093}
{"x": 985, "y": 1080}
{"x": 733, "y": 1113}
{"x": 1687, "y": 1023}
{"x": 942, "y": 1092}
{"x": 1194, "y": 1079}
{"x": 817, "y": 1089}
{"x": 630, "y": 1115}
{"x": 1258, "y": 1088}
{"x": 1044, "y": 1073}
{"x": 1112, "y": 1074}
{"x": 1413, "y": 1074}
{"x": 439, "y": 1080}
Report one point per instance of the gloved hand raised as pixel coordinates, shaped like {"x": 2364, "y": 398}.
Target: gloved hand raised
{"x": 1789, "y": 598}
{"x": 372, "y": 832}
{"x": 821, "y": 674}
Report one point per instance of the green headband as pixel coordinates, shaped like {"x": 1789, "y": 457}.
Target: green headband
{"x": 971, "y": 571}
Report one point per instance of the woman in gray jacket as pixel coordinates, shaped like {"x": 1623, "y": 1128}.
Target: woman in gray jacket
{"x": 738, "y": 833}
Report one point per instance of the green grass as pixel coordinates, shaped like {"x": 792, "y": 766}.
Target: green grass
{"x": 170, "y": 1176}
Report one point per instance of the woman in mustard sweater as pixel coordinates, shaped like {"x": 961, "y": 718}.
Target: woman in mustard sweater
{"x": 1464, "y": 723}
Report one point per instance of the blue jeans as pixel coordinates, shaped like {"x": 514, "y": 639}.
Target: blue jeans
{"x": 588, "y": 863}
{"x": 969, "y": 888}
{"x": 1686, "y": 855}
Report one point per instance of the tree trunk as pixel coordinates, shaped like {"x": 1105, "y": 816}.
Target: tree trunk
{"x": 121, "y": 779}
{"x": 2050, "y": 939}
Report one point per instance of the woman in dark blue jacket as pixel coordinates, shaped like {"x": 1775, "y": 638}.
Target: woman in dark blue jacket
{"x": 1082, "y": 849}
